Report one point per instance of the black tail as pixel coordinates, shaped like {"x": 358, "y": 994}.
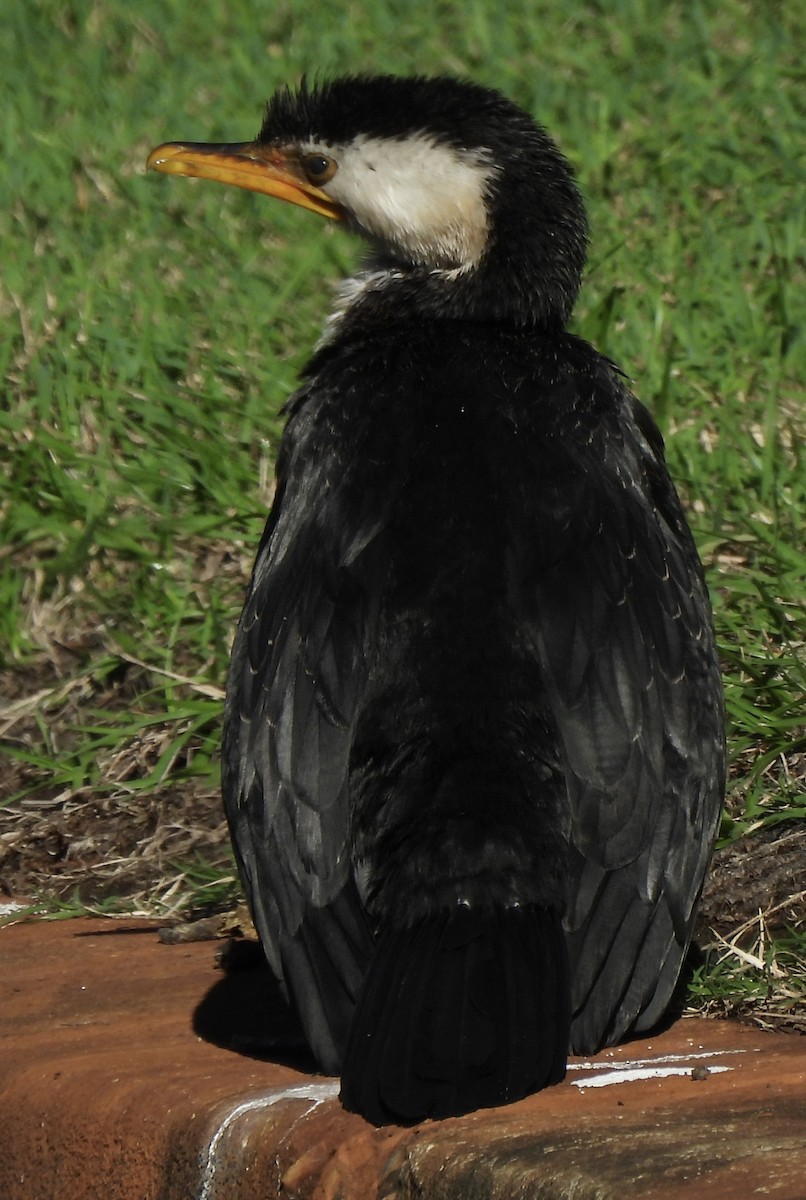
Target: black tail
{"x": 466, "y": 1009}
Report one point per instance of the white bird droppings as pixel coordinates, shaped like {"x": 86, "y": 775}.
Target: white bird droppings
{"x": 603, "y": 1074}
{"x": 316, "y": 1093}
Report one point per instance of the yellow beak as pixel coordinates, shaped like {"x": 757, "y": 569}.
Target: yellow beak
{"x": 245, "y": 165}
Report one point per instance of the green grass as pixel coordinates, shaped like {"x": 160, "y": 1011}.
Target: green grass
{"x": 153, "y": 329}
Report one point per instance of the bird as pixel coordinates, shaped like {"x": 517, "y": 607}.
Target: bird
{"x": 473, "y": 756}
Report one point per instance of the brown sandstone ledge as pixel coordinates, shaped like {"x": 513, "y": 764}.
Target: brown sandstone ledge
{"x": 112, "y": 1086}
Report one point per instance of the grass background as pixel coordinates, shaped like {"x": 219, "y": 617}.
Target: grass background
{"x": 153, "y": 328}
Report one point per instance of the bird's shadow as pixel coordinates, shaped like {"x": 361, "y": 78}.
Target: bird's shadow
{"x": 246, "y": 1012}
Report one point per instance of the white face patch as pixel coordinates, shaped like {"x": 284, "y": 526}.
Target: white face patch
{"x": 424, "y": 200}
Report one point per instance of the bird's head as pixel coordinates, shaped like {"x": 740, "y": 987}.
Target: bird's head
{"x": 470, "y": 208}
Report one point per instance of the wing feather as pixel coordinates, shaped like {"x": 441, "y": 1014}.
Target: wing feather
{"x": 619, "y": 620}
{"x": 295, "y": 683}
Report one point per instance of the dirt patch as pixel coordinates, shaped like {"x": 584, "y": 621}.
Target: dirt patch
{"x": 137, "y": 849}
{"x": 764, "y": 874}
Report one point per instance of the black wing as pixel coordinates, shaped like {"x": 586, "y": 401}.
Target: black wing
{"x": 617, "y": 612}
{"x": 295, "y": 682}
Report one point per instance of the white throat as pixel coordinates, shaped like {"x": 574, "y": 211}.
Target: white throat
{"x": 423, "y": 201}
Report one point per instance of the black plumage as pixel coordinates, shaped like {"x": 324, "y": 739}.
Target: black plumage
{"x": 473, "y": 757}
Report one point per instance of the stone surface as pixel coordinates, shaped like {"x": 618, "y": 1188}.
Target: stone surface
{"x": 127, "y": 1072}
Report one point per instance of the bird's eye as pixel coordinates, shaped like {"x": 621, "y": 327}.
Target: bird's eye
{"x": 319, "y": 168}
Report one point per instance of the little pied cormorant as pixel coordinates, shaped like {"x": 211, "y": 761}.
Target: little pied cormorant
{"x": 473, "y": 757}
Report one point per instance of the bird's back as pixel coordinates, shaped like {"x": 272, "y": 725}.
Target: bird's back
{"x": 487, "y": 655}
